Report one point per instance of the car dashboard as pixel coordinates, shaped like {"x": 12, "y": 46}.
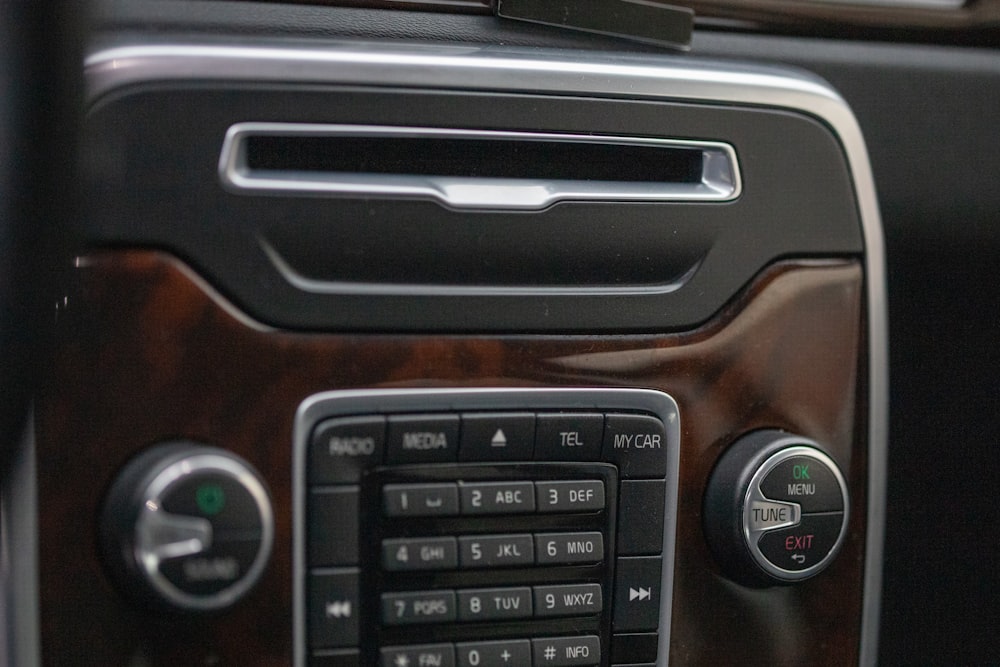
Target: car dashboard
{"x": 406, "y": 335}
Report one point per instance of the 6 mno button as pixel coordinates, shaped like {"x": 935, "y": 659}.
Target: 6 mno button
{"x": 563, "y": 548}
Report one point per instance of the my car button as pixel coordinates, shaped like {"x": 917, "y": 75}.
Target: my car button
{"x": 637, "y": 444}
{"x": 804, "y": 480}
{"x": 803, "y": 546}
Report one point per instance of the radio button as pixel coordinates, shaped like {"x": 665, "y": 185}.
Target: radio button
{"x": 477, "y": 551}
{"x": 341, "y": 449}
{"x": 569, "y": 548}
{"x": 498, "y": 497}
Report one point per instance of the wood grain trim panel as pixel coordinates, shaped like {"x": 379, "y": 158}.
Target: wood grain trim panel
{"x": 146, "y": 352}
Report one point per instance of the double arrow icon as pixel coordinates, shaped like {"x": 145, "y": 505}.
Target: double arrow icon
{"x": 639, "y": 594}
{"x": 338, "y": 609}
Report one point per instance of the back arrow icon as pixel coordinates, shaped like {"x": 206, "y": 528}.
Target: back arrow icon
{"x": 799, "y": 558}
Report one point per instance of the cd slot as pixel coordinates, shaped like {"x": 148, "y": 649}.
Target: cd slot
{"x": 468, "y": 169}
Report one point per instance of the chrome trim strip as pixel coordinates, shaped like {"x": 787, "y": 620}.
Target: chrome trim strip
{"x": 376, "y": 401}
{"x": 720, "y": 177}
{"x": 314, "y": 286}
{"x": 508, "y": 69}
{"x": 19, "y": 602}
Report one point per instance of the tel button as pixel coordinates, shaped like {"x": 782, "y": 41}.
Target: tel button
{"x": 568, "y": 437}
{"x": 806, "y": 481}
{"x": 802, "y": 546}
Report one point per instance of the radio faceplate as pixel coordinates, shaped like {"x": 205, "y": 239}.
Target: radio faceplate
{"x": 484, "y": 526}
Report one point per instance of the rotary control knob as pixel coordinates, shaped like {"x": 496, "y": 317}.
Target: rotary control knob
{"x": 187, "y": 526}
{"x": 776, "y": 509}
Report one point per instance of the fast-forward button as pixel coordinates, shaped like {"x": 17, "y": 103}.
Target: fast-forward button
{"x": 637, "y": 594}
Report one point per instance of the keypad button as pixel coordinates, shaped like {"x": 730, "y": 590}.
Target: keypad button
{"x": 341, "y": 449}
{"x": 568, "y": 600}
{"x": 420, "y": 499}
{"x": 568, "y": 437}
{"x": 581, "y": 651}
{"x": 422, "y": 439}
{"x": 494, "y": 604}
{"x": 497, "y": 437}
{"x": 569, "y": 548}
{"x": 637, "y": 444}
{"x": 640, "y": 518}
{"x": 477, "y": 551}
{"x": 570, "y": 496}
{"x": 430, "y": 655}
{"x": 420, "y": 553}
{"x": 637, "y": 594}
{"x": 418, "y": 607}
{"x": 333, "y": 526}
{"x": 497, "y": 497}
{"x": 333, "y": 609}
{"x": 514, "y": 653}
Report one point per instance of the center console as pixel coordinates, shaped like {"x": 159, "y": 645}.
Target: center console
{"x": 440, "y": 355}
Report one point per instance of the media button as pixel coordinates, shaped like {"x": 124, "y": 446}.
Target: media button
{"x": 422, "y": 439}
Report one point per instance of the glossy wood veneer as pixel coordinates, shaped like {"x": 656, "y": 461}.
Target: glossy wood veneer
{"x": 148, "y": 353}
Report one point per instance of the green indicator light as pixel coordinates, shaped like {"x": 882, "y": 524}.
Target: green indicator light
{"x": 210, "y": 498}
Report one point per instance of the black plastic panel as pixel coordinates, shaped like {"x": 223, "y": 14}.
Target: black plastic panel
{"x": 645, "y": 266}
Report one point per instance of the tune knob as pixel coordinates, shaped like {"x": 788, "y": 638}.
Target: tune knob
{"x": 776, "y": 509}
{"x": 187, "y": 526}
